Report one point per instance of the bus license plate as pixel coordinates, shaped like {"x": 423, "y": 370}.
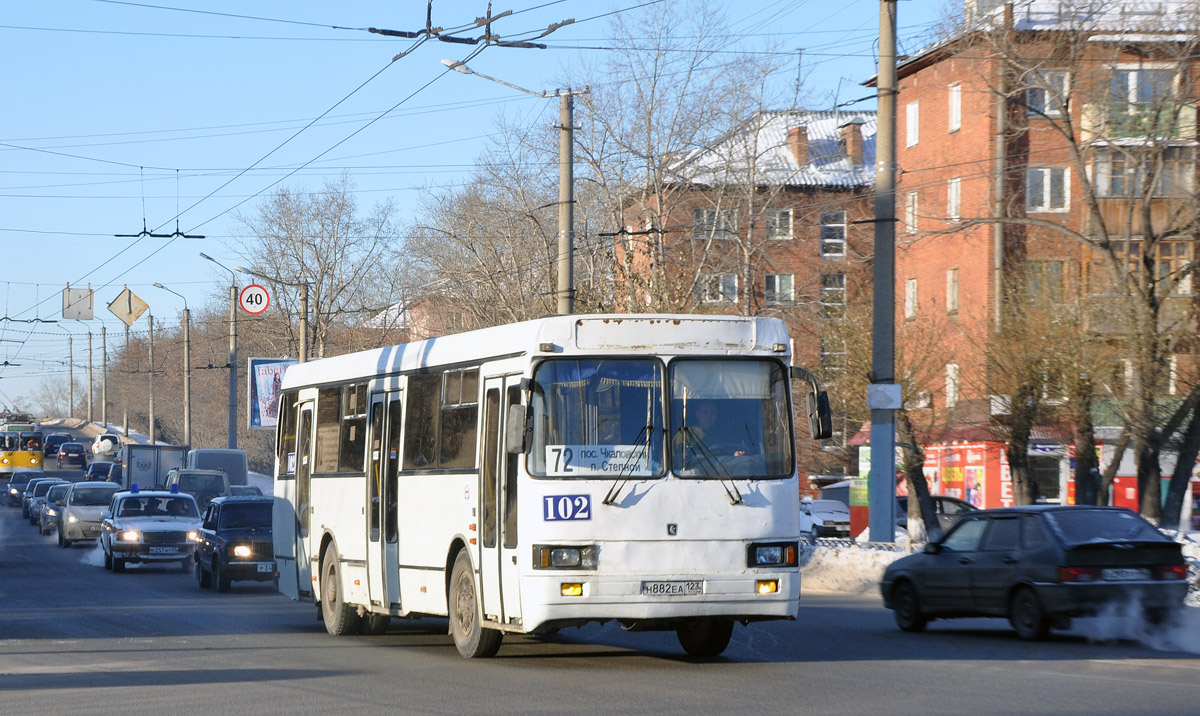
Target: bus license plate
{"x": 163, "y": 550}
{"x": 672, "y": 589}
{"x": 1124, "y": 575}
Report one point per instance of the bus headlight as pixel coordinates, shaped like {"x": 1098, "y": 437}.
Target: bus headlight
{"x": 129, "y": 536}
{"x": 242, "y": 551}
{"x": 564, "y": 556}
{"x": 775, "y": 554}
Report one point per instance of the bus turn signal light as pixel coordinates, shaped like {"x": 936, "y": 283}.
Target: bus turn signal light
{"x": 572, "y": 589}
{"x": 767, "y": 586}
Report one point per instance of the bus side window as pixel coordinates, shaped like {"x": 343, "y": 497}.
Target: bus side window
{"x": 511, "y": 463}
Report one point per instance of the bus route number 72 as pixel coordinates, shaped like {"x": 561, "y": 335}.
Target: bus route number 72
{"x": 558, "y": 508}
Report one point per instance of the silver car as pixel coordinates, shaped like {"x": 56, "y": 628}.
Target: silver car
{"x": 48, "y": 514}
{"x": 79, "y": 518}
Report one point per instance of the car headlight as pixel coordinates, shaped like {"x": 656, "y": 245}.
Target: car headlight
{"x": 72, "y": 519}
{"x": 12, "y": 491}
{"x": 129, "y": 536}
{"x": 51, "y": 512}
{"x": 242, "y": 551}
{"x": 776, "y": 554}
{"x": 193, "y": 536}
{"x": 564, "y": 556}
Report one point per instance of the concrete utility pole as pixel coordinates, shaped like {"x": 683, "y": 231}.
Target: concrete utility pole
{"x": 151, "y": 378}
{"x": 70, "y": 379}
{"x": 104, "y": 376}
{"x": 89, "y": 377}
{"x": 187, "y": 366}
{"x": 125, "y": 411}
{"x": 883, "y": 394}
{"x": 565, "y": 290}
{"x": 233, "y": 300}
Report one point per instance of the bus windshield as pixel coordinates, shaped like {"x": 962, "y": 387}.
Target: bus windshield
{"x": 730, "y": 418}
{"x": 598, "y": 418}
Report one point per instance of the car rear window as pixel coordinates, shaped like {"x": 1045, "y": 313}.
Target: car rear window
{"x": 1083, "y": 526}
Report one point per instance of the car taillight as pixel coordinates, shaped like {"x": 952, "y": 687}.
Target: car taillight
{"x": 1171, "y": 571}
{"x": 1078, "y": 574}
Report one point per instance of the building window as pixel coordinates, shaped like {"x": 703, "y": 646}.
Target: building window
{"x": 910, "y": 212}
{"x": 1173, "y": 375}
{"x": 912, "y": 116}
{"x": 833, "y": 295}
{"x": 1171, "y": 262}
{"x": 910, "y": 298}
{"x": 954, "y": 121}
{"x": 1141, "y": 101}
{"x": 1122, "y": 171}
{"x": 778, "y": 223}
{"x": 719, "y": 288}
{"x": 951, "y": 384}
{"x": 1044, "y": 280}
{"x": 952, "y": 291}
{"x": 833, "y": 233}
{"x": 954, "y": 199}
{"x": 833, "y": 354}
{"x": 714, "y": 224}
{"x": 1046, "y": 94}
{"x": 1046, "y": 189}
{"x": 779, "y": 288}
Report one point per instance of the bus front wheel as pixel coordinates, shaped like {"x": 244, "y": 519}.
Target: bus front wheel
{"x": 340, "y": 618}
{"x": 466, "y": 616}
{"x": 705, "y": 637}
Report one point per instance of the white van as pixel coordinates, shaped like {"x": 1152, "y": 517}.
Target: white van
{"x": 232, "y": 462}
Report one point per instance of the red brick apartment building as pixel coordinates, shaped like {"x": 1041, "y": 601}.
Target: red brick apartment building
{"x": 771, "y": 219}
{"x": 1087, "y": 110}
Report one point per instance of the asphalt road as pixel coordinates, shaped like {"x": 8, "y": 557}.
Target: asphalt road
{"x": 76, "y": 639}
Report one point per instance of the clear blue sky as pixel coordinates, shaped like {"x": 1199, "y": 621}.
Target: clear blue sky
{"x": 205, "y": 91}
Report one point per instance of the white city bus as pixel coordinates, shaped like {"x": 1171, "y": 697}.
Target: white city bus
{"x": 545, "y": 474}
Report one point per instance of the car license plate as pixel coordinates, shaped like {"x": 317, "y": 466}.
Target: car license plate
{"x": 1124, "y": 574}
{"x": 163, "y": 550}
{"x": 266, "y": 568}
{"x": 672, "y": 589}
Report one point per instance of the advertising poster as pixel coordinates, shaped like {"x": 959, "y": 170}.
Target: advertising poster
{"x": 265, "y": 375}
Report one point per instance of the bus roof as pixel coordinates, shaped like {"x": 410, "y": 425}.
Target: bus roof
{"x": 579, "y": 334}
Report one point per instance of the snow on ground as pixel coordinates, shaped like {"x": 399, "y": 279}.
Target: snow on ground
{"x": 263, "y": 482}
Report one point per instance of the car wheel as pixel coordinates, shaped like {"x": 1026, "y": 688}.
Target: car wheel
{"x": 108, "y": 561}
{"x": 185, "y": 565}
{"x": 118, "y": 564}
{"x": 706, "y": 637}
{"x": 221, "y": 577}
{"x": 906, "y": 608}
{"x": 203, "y": 578}
{"x": 340, "y": 619}
{"x": 375, "y": 624}
{"x": 1027, "y": 616}
{"x": 466, "y": 615}
{"x": 42, "y": 528}
{"x": 62, "y": 540}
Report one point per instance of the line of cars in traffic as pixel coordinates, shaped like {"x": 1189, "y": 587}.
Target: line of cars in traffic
{"x": 219, "y": 532}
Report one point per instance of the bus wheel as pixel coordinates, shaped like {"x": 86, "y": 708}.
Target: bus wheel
{"x": 340, "y": 619}
{"x": 705, "y": 637}
{"x": 466, "y": 616}
{"x": 375, "y": 624}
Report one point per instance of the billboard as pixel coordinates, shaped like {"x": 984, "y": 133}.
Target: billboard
{"x": 264, "y": 376}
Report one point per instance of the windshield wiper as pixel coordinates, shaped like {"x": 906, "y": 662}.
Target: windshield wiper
{"x": 711, "y": 461}
{"x": 619, "y": 484}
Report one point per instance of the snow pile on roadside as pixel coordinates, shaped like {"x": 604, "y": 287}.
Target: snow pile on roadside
{"x": 1191, "y": 552}
{"x": 844, "y": 567}
{"x": 263, "y": 482}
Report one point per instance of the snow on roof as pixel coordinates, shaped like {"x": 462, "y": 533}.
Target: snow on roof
{"x": 760, "y": 146}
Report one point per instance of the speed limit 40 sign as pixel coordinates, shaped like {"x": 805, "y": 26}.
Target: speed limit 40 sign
{"x": 254, "y": 299}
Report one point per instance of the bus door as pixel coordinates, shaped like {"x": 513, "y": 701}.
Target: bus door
{"x": 382, "y": 531}
{"x": 501, "y": 595}
{"x": 304, "y": 454}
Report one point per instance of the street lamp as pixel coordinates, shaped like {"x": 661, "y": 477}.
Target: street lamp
{"x": 303, "y": 286}
{"x": 187, "y": 366}
{"x": 566, "y": 182}
{"x": 233, "y": 301}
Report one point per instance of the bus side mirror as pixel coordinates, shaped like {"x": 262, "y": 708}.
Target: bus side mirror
{"x": 515, "y": 430}
{"x": 820, "y": 415}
